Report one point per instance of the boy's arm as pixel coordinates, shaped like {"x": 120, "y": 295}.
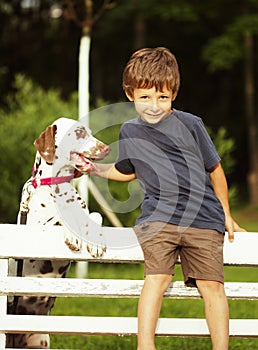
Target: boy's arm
{"x": 109, "y": 171}
{"x": 220, "y": 188}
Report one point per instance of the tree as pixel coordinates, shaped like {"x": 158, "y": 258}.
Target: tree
{"x": 237, "y": 43}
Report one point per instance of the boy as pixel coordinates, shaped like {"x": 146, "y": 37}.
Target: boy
{"x": 185, "y": 209}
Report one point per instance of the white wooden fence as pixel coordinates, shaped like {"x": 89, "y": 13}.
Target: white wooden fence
{"x": 21, "y": 241}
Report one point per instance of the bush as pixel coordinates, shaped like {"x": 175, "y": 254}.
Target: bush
{"x": 29, "y": 110}
{"x": 225, "y": 147}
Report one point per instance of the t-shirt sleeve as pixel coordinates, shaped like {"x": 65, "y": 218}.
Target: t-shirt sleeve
{"x": 123, "y": 163}
{"x": 206, "y": 146}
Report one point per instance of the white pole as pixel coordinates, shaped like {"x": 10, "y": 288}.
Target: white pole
{"x": 83, "y": 86}
{"x": 81, "y": 268}
{"x": 83, "y": 92}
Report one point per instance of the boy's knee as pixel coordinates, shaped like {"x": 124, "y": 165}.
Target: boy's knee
{"x": 160, "y": 281}
{"x": 210, "y": 287}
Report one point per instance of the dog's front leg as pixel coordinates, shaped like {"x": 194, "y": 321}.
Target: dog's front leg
{"x": 95, "y": 241}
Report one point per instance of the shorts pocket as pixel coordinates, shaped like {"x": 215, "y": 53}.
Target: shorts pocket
{"x": 217, "y": 247}
{"x": 147, "y": 231}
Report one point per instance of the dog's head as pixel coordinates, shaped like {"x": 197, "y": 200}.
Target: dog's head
{"x": 70, "y": 143}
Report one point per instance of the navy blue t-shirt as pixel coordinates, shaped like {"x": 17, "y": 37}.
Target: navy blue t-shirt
{"x": 171, "y": 160}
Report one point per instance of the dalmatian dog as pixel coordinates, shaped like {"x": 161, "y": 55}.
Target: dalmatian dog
{"x": 64, "y": 150}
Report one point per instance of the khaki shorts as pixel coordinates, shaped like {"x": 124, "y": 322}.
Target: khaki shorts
{"x": 200, "y": 251}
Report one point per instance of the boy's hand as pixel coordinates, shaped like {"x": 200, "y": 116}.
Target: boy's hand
{"x": 229, "y": 224}
{"x": 231, "y": 227}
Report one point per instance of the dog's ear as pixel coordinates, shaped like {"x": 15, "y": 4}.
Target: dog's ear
{"x": 45, "y": 144}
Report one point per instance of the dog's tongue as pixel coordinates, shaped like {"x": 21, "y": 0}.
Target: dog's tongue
{"x": 81, "y": 163}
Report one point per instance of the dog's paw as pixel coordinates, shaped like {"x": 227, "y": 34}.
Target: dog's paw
{"x": 96, "y": 245}
{"x": 96, "y": 251}
{"x": 74, "y": 243}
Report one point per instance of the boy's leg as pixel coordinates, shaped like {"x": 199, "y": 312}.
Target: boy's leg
{"x": 216, "y": 312}
{"x": 202, "y": 261}
{"x": 149, "y": 308}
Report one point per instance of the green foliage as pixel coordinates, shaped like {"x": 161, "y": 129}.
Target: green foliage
{"x": 225, "y": 146}
{"x": 182, "y": 10}
{"x": 224, "y": 51}
{"x": 29, "y": 110}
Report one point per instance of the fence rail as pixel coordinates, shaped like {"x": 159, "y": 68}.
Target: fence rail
{"x": 37, "y": 242}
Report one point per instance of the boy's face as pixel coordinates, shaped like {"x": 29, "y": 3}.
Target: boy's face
{"x": 152, "y": 106}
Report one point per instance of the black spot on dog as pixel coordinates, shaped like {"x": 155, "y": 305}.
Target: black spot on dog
{"x": 80, "y": 132}
{"x": 22, "y": 342}
{"x": 50, "y": 303}
{"x": 43, "y": 205}
{"x": 43, "y": 343}
{"x": 57, "y": 223}
{"x": 70, "y": 200}
{"x": 23, "y": 311}
{"x": 50, "y": 219}
{"x": 32, "y": 300}
{"x": 47, "y": 267}
{"x": 63, "y": 269}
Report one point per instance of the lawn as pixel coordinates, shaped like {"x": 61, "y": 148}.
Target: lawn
{"x": 171, "y": 308}
{"x": 247, "y": 216}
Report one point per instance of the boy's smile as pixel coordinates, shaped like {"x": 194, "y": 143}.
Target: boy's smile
{"x": 152, "y": 105}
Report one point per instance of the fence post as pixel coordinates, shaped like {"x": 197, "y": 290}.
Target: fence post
{"x": 3, "y": 301}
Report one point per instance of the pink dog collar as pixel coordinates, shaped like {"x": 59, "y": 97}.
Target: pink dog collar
{"x": 51, "y": 181}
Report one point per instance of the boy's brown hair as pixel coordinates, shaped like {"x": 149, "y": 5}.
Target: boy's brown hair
{"x": 151, "y": 67}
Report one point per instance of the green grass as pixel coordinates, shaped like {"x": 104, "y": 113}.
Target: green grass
{"x": 247, "y": 217}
